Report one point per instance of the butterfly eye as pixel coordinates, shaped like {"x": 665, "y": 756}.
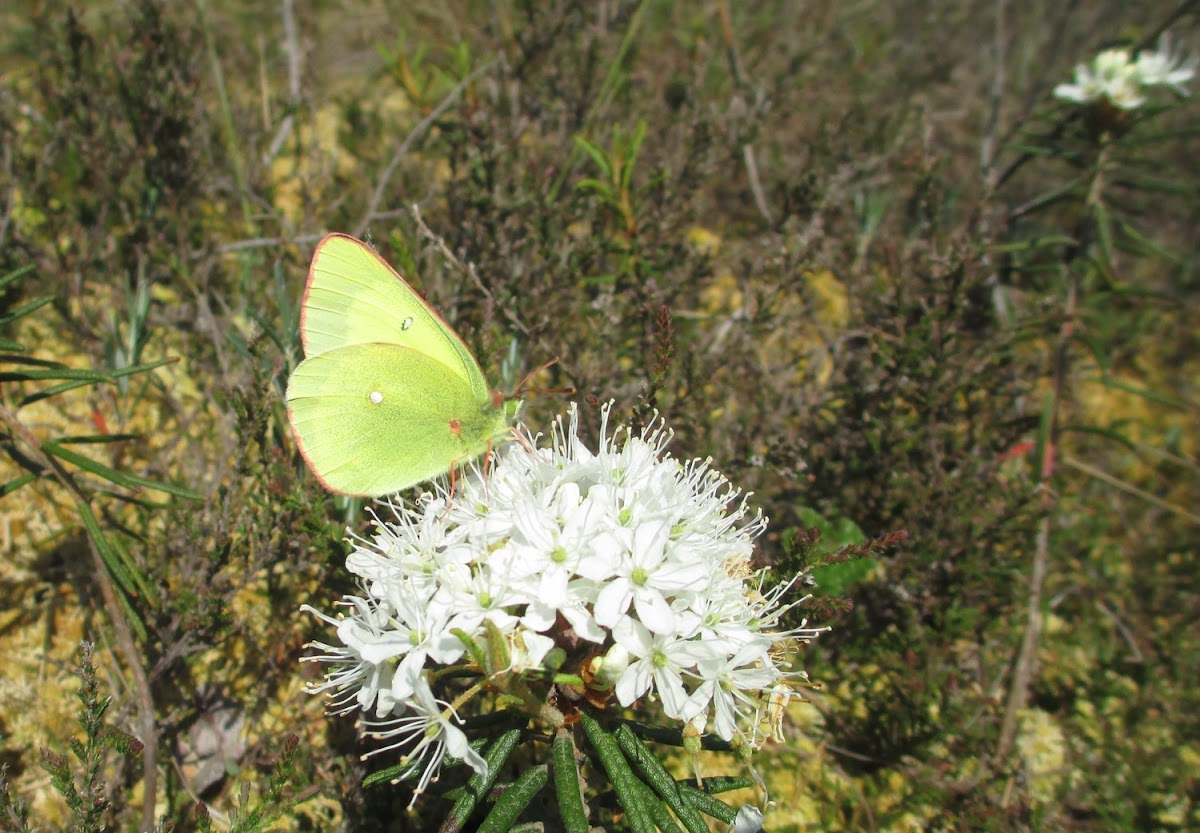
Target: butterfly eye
{"x": 376, "y": 397}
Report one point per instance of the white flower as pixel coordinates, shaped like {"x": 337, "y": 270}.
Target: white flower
{"x": 431, "y": 733}
{"x": 727, "y": 679}
{"x": 1112, "y": 76}
{"x": 1123, "y": 80}
{"x": 1161, "y": 68}
{"x": 556, "y": 558}
{"x": 661, "y": 659}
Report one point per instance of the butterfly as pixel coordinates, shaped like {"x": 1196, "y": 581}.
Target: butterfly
{"x": 388, "y": 395}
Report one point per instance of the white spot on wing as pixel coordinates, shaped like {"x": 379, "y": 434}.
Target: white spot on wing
{"x": 376, "y": 398}
{"x": 408, "y": 322}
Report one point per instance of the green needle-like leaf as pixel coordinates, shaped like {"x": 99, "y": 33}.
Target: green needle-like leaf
{"x": 659, "y": 779}
{"x": 566, "y": 783}
{"x": 116, "y": 567}
{"x": 624, "y": 781}
{"x": 659, "y": 814}
{"x": 515, "y": 799}
{"x": 707, "y": 804}
{"x": 120, "y": 478}
{"x": 478, "y": 786}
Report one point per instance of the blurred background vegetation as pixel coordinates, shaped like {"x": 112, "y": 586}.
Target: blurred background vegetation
{"x": 857, "y": 253}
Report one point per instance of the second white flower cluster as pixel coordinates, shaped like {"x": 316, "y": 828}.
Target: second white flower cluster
{"x": 1123, "y": 80}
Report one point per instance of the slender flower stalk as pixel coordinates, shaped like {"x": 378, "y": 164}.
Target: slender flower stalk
{"x": 581, "y": 578}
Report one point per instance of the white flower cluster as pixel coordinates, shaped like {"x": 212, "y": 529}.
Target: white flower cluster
{"x": 1119, "y": 78}
{"x": 625, "y": 566}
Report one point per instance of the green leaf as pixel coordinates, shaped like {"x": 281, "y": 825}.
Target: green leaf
{"x": 474, "y": 649}
{"x": 16, "y": 483}
{"x": 659, "y": 814}
{"x": 837, "y": 579}
{"x": 15, "y": 275}
{"x": 674, "y": 737}
{"x": 24, "y": 309}
{"x": 635, "y": 147}
{"x": 593, "y": 184}
{"x": 394, "y": 774}
{"x": 1104, "y": 235}
{"x": 515, "y": 799}
{"x": 478, "y": 785}
{"x": 720, "y": 784}
{"x": 1045, "y": 421}
{"x": 129, "y": 481}
{"x": 659, "y": 779}
{"x": 707, "y": 804}
{"x": 626, "y": 784}
{"x": 566, "y": 783}
{"x": 116, "y": 567}
{"x": 1145, "y": 393}
{"x": 597, "y": 156}
{"x": 1108, "y": 433}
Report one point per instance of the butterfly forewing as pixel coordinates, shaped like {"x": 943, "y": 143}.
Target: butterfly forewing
{"x": 354, "y": 297}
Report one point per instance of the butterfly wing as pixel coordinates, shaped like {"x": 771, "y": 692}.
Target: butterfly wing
{"x": 354, "y": 297}
{"x": 371, "y": 419}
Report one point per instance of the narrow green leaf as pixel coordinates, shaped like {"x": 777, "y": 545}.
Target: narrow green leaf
{"x": 474, "y": 649}
{"x": 1104, "y": 234}
{"x": 90, "y": 377}
{"x": 566, "y": 783}
{"x": 1098, "y": 348}
{"x": 15, "y": 274}
{"x": 660, "y": 816}
{"x": 95, "y": 439}
{"x": 659, "y": 779}
{"x": 499, "y": 656}
{"x": 116, "y": 568}
{"x": 142, "y": 588}
{"x": 674, "y": 737}
{"x": 1045, "y": 420}
{"x": 1149, "y": 244}
{"x": 1044, "y": 241}
{"x": 407, "y": 771}
{"x": 635, "y": 147}
{"x": 593, "y": 184}
{"x": 394, "y": 774}
{"x": 82, "y": 377}
{"x": 1108, "y": 433}
{"x": 120, "y": 478}
{"x": 478, "y": 786}
{"x": 16, "y": 483}
{"x": 623, "y": 779}
{"x": 718, "y": 784}
{"x": 707, "y": 804}
{"x": 597, "y": 156}
{"x": 24, "y": 309}
{"x": 515, "y": 799}
{"x": 1146, "y": 393}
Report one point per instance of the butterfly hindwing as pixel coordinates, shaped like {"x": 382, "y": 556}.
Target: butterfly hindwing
{"x": 372, "y": 419}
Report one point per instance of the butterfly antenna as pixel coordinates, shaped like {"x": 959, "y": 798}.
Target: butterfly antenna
{"x": 522, "y": 390}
